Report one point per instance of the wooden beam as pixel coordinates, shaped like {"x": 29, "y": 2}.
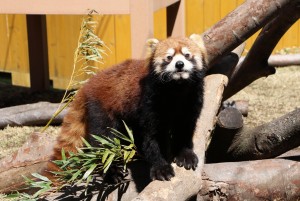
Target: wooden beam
{"x": 176, "y": 19}
{"x": 73, "y": 7}
{"x": 38, "y": 52}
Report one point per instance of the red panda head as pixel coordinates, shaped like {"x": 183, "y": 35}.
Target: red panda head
{"x": 176, "y": 58}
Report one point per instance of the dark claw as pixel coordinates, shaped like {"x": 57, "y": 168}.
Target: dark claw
{"x": 162, "y": 172}
{"x": 187, "y": 158}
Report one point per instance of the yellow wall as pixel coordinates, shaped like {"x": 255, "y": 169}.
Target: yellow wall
{"x": 114, "y": 30}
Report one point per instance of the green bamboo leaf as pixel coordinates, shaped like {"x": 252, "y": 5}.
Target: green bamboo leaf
{"x": 119, "y": 135}
{"x": 117, "y": 141}
{"x": 108, "y": 162}
{"x": 75, "y": 176}
{"x": 63, "y": 154}
{"x": 43, "y": 178}
{"x": 89, "y": 171}
{"x": 129, "y": 131}
{"x": 131, "y": 155}
{"x": 126, "y": 154}
{"x": 103, "y": 141}
{"x": 86, "y": 143}
{"x": 104, "y": 157}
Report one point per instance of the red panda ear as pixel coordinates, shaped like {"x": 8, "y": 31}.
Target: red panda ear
{"x": 198, "y": 40}
{"x": 151, "y": 45}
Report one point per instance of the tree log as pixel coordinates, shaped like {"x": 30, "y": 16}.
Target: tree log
{"x": 232, "y": 142}
{"x": 30, "y": 114}
{"x": 272, "y": 179}
{"x": 241, "y": 105}
{"x": 30, "y": 158}
{"x": 278, "y": 60}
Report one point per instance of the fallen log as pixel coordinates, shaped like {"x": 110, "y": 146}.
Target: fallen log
{"x": 30, "y": 158}
{"x": 234, "y": 142}
{"x": 241, "y": 105}
{"x": 278, "y": 60}
{"x": 272, "y": 179}
{"x": 30, "y": 114}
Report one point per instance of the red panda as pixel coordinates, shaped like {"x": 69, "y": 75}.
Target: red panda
{"x": 159, "y": 98}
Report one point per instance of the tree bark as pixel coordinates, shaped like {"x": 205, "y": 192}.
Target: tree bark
{"x": 272, "y": 179}
{"x": 255, "y": 64}
{"x": 240, "y": 24}
{"x": 32, "y": 157}
{"x": 278, "y": 60}
{"x": 233, "y": 142}
{"x": 30, "y": 114}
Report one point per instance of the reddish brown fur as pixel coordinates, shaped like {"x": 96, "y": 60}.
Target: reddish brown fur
{"x": 114, "y": 80}
{"x": 118, "y": 87}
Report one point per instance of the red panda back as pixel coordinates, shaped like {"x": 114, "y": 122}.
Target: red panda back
{"x": 118, "y": 88}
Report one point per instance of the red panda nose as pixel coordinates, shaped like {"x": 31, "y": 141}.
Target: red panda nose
{"x": 179, "y": 65}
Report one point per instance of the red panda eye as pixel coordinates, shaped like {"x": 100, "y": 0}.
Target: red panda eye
{"x": 187, "y": 55}
{"x": 169, "y": 58}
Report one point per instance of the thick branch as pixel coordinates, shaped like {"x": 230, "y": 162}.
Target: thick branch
{"x": 255, "y": 64}
{"x": 231, "y": 142}
{"x": 278, "y": 60}
{"x": 239, "y": 25}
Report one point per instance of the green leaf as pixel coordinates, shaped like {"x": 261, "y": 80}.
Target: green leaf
{"x": 104, "y": 157}
{"x": 63, "y": 154}
{"x": 86, "y": 143}
{"x": 89, "y": 171}
{"x": 108, "y": 162}
{"x": 129, "y": 131}
{"x": 119, "y": 135}
{"x": 103, "y": 141}
{"x": 75, "y": 176}
{"x": 125, "y": 154}
{"x": 132, "y": 153}
{"x": 117, "y": 141}
{"x": 43, "y": 178}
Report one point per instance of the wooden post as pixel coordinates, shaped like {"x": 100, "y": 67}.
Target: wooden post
{"x": 141, "y": 14}
{"x": 38, "y": 52}
{"x": 176, "y": 19}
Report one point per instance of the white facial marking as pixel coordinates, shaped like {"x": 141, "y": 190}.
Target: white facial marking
{"x": 185, "y": 51}
{"x": 176, "y": 76}
{"x": 185, "y": 75}
{"x": 170, "y": 52}
{"x": 188, "y": 66}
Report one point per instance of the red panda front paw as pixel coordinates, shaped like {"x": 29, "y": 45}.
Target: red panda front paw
{"x": 187, "y": 158}
{"x": 162, "y": 172}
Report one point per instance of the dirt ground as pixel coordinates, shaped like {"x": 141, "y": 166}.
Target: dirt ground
{"x": 269, "y": 98}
